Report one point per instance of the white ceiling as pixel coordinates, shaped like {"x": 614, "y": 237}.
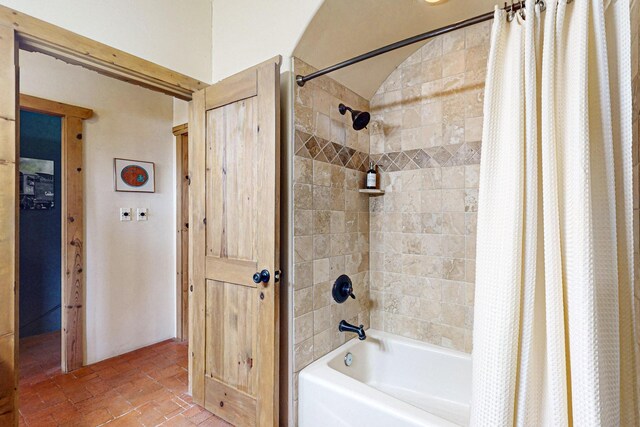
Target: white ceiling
{"x": 342, "y": 29}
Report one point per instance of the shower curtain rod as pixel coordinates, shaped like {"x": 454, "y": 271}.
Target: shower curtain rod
{"x": 301, "y": 80}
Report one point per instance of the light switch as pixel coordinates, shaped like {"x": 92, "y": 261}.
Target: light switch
{"x": 142, "y": 214}
{"x": 125, "y": 214}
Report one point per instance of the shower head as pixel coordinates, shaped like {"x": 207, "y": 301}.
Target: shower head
{"x": 360, "y": 118}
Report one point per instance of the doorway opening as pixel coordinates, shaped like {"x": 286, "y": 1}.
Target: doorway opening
{"x": 40, "y": 240}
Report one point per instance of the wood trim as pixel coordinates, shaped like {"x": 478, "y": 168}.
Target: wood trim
{"x": 231, "y": 404}
{"x": 197, "y": 290}
{"x": 235, "y": 88}
{"x": 53, "y": 108}
{"x": 40, "y": 36}
{"x": 73, "y": 277}
{"x": 218, "y": 269}
{"x": 9, "y": 280}
{"x": 72, "y": 217}
{"x": 268, "y": 243}
{"x": 182, "y": 232}
{"x": 182, "y": 129}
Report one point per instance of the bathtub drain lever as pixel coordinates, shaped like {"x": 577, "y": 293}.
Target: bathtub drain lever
{"x": 345, "y": 326}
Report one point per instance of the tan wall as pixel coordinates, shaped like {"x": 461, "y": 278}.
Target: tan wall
{"x": 330, "y": 219}
{"x": 426, "y": 141}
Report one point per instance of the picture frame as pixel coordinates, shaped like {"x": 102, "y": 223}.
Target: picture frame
{"x": 134, "y": 176}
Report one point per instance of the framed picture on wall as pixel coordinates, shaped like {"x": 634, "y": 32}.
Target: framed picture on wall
{"x": 134, "y": 176}
{"x": 36, "y": 184}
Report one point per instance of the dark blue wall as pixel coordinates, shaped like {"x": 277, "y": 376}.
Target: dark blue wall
{"x": 40, "y": 233}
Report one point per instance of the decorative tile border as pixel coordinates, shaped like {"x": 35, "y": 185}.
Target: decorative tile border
{"x": 316, "y": 148}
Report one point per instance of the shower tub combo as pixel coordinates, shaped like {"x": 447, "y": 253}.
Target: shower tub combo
{"x": 386, "y": 380}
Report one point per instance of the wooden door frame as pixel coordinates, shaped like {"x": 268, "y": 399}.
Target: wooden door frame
{"x": 73, "y": 224}
{"x": 181, "y": 133}
{"x": 21, "y": 31}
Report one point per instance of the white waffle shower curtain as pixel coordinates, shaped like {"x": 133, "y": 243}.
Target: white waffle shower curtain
{"x": 554, "y": 333}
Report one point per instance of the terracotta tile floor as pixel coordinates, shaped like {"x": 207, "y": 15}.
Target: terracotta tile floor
{"x": 146, "y": 387}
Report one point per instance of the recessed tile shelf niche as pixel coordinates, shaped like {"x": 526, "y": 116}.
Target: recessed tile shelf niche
{"x": 371, "y": 191}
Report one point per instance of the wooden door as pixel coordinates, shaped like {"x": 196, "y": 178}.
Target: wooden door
{"x": 234, "y": 164}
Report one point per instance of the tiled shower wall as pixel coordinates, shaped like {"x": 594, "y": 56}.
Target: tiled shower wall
{"x": 331, "y": 218}
{"x": 425, "y": 137}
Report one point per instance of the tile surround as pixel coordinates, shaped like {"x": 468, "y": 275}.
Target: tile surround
{"x": 331, "y": 218}
{"x": 425, "y": 137}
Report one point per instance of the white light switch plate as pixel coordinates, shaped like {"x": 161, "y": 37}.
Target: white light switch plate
{"x": 143, "y": 214}
{"x": 125, "y": 214}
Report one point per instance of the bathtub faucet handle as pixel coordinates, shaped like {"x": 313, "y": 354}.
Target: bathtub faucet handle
{"x": 342, "y": 289}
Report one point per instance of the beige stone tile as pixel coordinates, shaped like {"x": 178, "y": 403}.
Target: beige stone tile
{"x": 337, "y": 199}
{"x": 432, "y": 222}
{"x": 470, "y": 290}
{"x": 302, "y": 170}
{"x": 454, "y": 246}
{"x": 478, "y": 34}
{"x": 470, "y": 246}
{"x": 322, "y": 318}
{"x": 471, "y": 222}
{"x": 471, "y": 176}
{"x": 322, "y": 198}
{"x": 431, "y": 70}
{"x": 471, "y": 200}
{"x": 321, "y": 222}
{"x": 453, "y": 63}
{"x": 453, "y": 41}
{"x": 411, "y": 118}
{"x": 302, "y": 222}
{"x": 453, "y": 269}
{"x": 431, "y": 201}
{"x": 303, "y": 275}
{"x": 453, "y": 177}
{"x": 432, "y": 48}
{"x": 431, "y": 245}
{"x": 322, "y": 294}
{"x": 321, "y": 173}
{"x": 321, "y": 270}
{"x": 412, "y": 75}
{"x": 337, "y": 222}
{"x": 338, "y": 132}
{"x": 476, "y": 57}
{"x": 470, "y": 270}
{"x": 336, "y": 267}
{"x": 473, "y": 129}
{"x": 474, "y": 101}
{"x": 303, "y": 248}
{"x": 321, "y": 344}
{"x": 452, "y": 337}
{"x": 453, "y": 200}
{"x": 303, "y": 119}
{"x": 453, "y": 223}
{"x": 302, "y": 327}
{"x": 432, "y": 178}
{"x": 302, "y": 301}
{"x": 302, "y": 196}
{"x": 321, "y": 246}
{"x": 454, "y": 292}
{"x": 322, "y": 126}
{"x": 302, "y": 354}
{"x": 337, "y": 176}
{"x": 432, "y": 113}
{"x": 351, "y": 222}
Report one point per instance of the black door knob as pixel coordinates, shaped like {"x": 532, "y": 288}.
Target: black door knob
{"x": 262, "y": 276}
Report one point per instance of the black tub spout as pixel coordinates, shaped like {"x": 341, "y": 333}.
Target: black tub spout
{"x": 344, "y": 326}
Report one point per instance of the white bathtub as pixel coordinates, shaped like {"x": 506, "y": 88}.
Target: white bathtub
{"x": 392, "y": 382}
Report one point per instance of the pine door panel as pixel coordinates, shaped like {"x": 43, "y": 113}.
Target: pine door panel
{"x": 234, "y": 196}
